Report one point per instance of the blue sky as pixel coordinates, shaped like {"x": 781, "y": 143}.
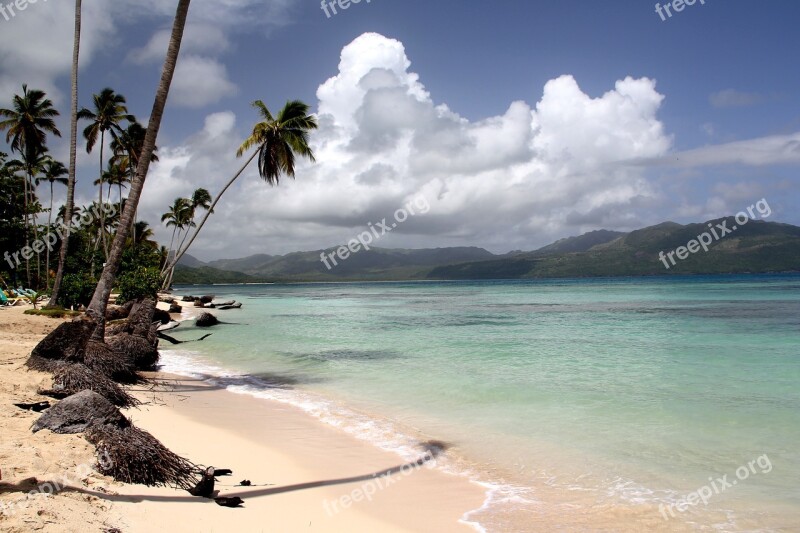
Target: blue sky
{"x": 520, "y": 122}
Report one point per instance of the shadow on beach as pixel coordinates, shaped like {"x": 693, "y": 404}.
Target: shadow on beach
{"x": 249, "y": 494}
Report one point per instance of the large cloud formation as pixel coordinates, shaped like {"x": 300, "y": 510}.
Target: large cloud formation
{"x": 510, "y": 181}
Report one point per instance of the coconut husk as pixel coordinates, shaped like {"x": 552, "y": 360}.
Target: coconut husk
{"x": 72, "y": 379}
{"x": 132, "y": 455}
{"x": 135, "y": 348}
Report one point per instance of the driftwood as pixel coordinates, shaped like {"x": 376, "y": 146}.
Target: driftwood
{"x": 173, "y": 340}
{"x": 72, "y": 379}
{"x": 37, "y": 407}
{"x": 132, "y": 455}
{"x": 232, "y": 306}
{"x": 205, "y": 487}
{"x": 222, "y": 472}
{"x": 78, "y": 413}
{"x": 234, "y": 501}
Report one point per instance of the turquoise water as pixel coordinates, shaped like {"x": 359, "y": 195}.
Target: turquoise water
{"x": 629, "y": 392}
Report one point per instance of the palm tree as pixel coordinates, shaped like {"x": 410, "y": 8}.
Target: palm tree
{"x": 28, "y": 122}
{"x": 143, "y": 235}
{"x": 184, "y": 216}
{"x": 127, "y": 150}
{"x": 73, "y": 149}
{"x": 109, "y": 112}
{"x": 99, "y": 303}
{"x": 201, "y": 198}
{"x": 30, "y": 168}
{"x": 177, "y": 217}
{"x": 115, "y": 175}
{"x": 277, "y": 140}
{"x": 54, "y": 172}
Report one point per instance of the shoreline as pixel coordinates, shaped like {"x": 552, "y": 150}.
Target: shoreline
{"x": 303, "y": 463}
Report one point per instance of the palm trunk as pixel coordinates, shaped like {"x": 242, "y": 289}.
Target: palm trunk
{"x": 99, "y": 303}
{"x": 169, "y": 250}
{"x": 100, "y": 204}
{"x": 73, "y": 149}
{"x": 27, "y": 228}
{"x": 49, "y": 229}
{"x": 32, "y": 190}
{"x": 180, "y": 252}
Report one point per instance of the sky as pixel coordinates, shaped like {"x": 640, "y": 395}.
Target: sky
{"x": 513, "y": 123}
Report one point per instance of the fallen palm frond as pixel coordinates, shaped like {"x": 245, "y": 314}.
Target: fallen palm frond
{"x": 137, "y": 349}
{"x": 132, "y": 455}
{"x": 103, "y": 359}
{"x": 72, "y": 379}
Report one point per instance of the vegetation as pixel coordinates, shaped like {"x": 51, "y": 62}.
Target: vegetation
{"x": 52, "y": 312}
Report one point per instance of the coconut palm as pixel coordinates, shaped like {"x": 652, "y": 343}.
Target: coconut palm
{"x": 277, "y": 140}
{"x": 54, "y": 172}
{"x": 177, "y": 217}
{"x": 201, "y": 198}
{"x": 73, "y": 149}
{"x": 28, "y": 122}
{"x": 127, "y": 149}
{"x": 99, "y": 303}
{"x": 143, "y": 235}
{"x": 28, "y": 170}
{"x": 109, "y": 112}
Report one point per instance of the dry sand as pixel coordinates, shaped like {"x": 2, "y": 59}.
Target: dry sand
{"x": 306, "y": 476}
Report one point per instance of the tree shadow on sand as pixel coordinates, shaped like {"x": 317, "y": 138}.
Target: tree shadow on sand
{"x": 433, "y": 449}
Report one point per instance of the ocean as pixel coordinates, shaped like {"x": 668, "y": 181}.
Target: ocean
{"x": 587, "y": 404}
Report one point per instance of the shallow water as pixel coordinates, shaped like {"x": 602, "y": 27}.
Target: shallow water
{"x": 584, "y": 404}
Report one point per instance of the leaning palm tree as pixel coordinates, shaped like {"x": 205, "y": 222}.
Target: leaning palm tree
{"x": 73, "y": 149}
{"x": 277, "y": 141}
{"x": 28, "y": 122}
{"x": 54, "y": 172}
{"x": 109, "y": 112}
{"x": 99, "y": 303}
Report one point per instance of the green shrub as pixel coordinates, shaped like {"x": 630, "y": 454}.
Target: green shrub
{"x": 76, "y": 289}
{"x": 52, "y": 312}
{"x": 142, "y": 282}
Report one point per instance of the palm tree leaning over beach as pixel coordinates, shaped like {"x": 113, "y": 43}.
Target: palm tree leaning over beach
{"x": 53, "y": 172}
{"x": 109, "y": 112}
{"x": 69, "y": 207}
{"x": 28, "y": 122}
{"x": 99, "y": 303}
{"x": 277, "y": 141}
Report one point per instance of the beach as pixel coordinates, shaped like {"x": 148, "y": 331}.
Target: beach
{"x": 296, "y": 464}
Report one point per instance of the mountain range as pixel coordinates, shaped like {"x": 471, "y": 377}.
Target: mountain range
{"x": 755, "y": 247}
